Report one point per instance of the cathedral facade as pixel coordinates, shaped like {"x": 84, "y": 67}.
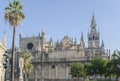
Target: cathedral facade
{"x": 52, "y": 60}
{"x": 2, "y": 52}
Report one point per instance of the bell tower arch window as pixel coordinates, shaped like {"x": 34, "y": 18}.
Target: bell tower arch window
{"x": 93, "y": 37}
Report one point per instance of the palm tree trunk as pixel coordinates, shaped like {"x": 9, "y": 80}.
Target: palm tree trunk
{"x": 78, "y": 78}
{"x": 25, "y": 76}
{"x": 118, "y": 78}
{"x": 13, "y": 54}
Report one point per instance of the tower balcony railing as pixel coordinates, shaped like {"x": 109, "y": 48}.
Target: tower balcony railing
{"x": 82, "y": 59}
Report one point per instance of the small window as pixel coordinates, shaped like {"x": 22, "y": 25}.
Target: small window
{"x": 97, "y": 38}
{"x": 93, "y": 37}
{"x": 53, "y": 66}
{"x": 90, "y": 38}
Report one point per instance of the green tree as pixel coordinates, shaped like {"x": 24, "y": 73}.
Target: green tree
{"x": 110, "y": 69}
{"x": 14, "y": 15}
{"x": 77, "y": 70}
{"x": 27, "y": 63}
{"x": 117, "y": 65}
{"x": 98, "y": 66}
{"x": 88, "y": 69}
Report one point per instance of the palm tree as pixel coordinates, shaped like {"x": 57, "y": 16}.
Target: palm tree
{"x": 14, "y": 15}
{"x": 27, "y": 63}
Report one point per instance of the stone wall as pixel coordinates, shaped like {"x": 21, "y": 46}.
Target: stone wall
{"x": 51, "y": 70}
{"x": 2, "y": 70}
{"x": 63, "y": 54}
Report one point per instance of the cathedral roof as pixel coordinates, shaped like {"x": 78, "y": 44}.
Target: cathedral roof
{"x": 66, "y": 39}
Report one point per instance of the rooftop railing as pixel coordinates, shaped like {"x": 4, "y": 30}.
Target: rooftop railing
{"x": 66, "y": 59}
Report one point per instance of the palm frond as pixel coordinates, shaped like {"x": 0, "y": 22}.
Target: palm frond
{"x": 14, "y": 14}
{"x": 27, "y": 61}
{"x": 29, "y": 68}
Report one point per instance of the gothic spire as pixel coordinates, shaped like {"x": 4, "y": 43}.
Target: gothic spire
{"x": 102, "y": 44}
{"x": 82, "y": 40}
{"x": 39, "y": 45}
{"x": 51, "y": 41}
{"x": 4, "y": 39}
{"x": 43, "y": 39}
{"x": 82, "y": 36}
{"x": 75, "y": 42}
{"x": 93, "y": 22}
{"x": 43, "y": 30}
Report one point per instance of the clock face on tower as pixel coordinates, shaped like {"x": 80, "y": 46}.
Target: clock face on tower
{"x": 30, "y": 45}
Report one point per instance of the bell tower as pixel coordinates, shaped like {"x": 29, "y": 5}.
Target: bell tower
{"x": 93, "y": 35}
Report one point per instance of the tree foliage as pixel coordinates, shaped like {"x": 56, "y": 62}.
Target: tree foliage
{"x": 110, "y": 69}
{"x": 77, "y": 70}
{"x": 27, "y": 61}
{"x": 14, "y": 14}
{"x": 99, "y": 66}
{"x": 117, "y": 64}
{"x": 88, "y": 69}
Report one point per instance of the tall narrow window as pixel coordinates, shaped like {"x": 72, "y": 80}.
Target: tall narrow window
{"x": 53, "y": 66}
{"x": 93, "y": 37}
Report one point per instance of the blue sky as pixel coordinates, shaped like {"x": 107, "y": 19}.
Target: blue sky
{"x": 66, "y": 17}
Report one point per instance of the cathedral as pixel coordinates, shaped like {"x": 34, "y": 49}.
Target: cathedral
{"x": 2, "y": 62}
{"x": 52, "y": 60}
